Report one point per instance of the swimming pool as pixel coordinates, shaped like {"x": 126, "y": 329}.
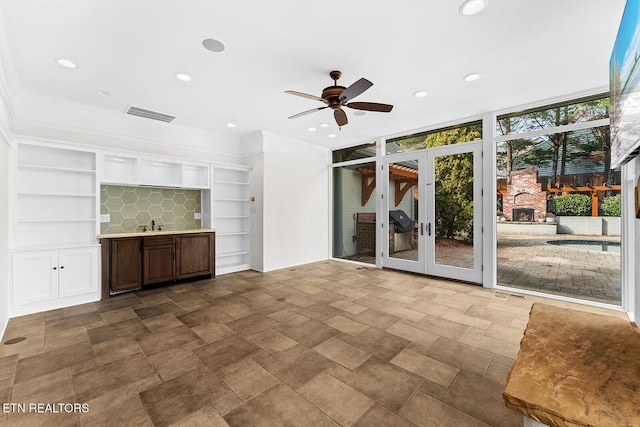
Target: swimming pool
{"x": 588, "y": 245}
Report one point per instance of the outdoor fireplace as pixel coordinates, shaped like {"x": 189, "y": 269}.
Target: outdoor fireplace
{"x": 524, "y": 198}
{"x": 523, "y": 214}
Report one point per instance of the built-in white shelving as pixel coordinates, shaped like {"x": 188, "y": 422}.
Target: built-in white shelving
{"x": 230, "y": 216}
{"x": 55, "y": 190}
{"x": 54, "y": 251}
{"x": 129, "y": 169}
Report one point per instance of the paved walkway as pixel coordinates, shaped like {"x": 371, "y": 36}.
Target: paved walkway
{"x": 529, "y": 262}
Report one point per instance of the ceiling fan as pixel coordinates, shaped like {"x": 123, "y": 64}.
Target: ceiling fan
{"x": 336, "y": 97}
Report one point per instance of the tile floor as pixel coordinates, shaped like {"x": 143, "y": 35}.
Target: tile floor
{"x": 322, "y": 344}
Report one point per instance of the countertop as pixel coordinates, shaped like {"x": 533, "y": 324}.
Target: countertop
{"x": 576, "y": 368}
{"x": 150, "y": 233}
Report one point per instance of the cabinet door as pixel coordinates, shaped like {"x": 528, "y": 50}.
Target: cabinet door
{"x": 195, "y": 255}
{"x": 35, "y": 277}
{"x": 159, "y": 264}
{"x": 126, "y": 263}
{"x": 77, "y": 271}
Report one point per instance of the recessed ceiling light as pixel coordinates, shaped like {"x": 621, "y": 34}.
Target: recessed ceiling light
{"x": 66, "y": 63}
{"x": 311, "y": 129}
{"x": 471, "y": 7}
{"x": 102, "y": 93}
{"x": 332, "y": 135}
{"x": 324, "y": 125}
{"x": 213, "y": 45}
{"x": 471, "y": 77}
{"x": 231, "y": 125}
{"x": 420, "y": 94}
{"x": 183, "y": 77}
{"x": 359, "y": 113}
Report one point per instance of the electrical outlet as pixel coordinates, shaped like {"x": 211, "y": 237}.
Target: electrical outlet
{"x": 197, "y": 215}
{"x": 105, "y": 218}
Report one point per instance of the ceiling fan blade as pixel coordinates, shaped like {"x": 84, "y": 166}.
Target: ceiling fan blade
{"x": 340, "y": 116}
{"x": 304, "y": 113}
{"x": 370, "y": 106}
{"x": 306, "y": 95}
{"x": 354, "y": 90}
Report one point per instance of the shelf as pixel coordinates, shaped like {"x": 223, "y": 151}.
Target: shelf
{"x": 57, "y": 220}
{"x": 231, "y": 182}
{"x": 35, "y": 194}
{"x": 232, "y": 217}
{"x": 228, "y": 254}
{"x": 236, "y": 233}
{"x": 55, "y": 169}
{"x": 231, "y": 200}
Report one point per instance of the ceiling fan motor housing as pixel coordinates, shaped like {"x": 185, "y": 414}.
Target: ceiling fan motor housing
{"x": 332, "y": 95}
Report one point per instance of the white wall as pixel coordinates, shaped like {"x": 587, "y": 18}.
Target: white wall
{"x": 256, "y": 163}
{"x": 296, "y": 203}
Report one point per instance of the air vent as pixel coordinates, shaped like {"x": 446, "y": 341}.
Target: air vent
{"x": 141, "y": 112}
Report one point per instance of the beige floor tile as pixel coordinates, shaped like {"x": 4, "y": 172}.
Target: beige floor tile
{"x": 426, "y": 367}
{"x": 342, "y": 353}
{"x": 426, "y": 411}
{"x": 278, "y": 406}
{"x": 288, "y": 317}
{"x": 413, "y": 334}
{"x": 211, "y": 332}
{"x": 205, "y": 417}
{"x": 385, "y": 383}
{"x": 117, "y": 348}
{"x": 296, "y": 366}
{"x": 118, "y": 407}
{"x": 166, "y": 402}
{"x": 482, "y": 399}
{"x": 336, "y": 399}
{"x": 381, "y": 417}
{"x": 246, "y": 378}
{"x": 345, "y": 325}
{"x": 95, "y": 382}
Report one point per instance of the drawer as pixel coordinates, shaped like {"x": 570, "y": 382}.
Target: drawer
{"x": 158, "y": 241}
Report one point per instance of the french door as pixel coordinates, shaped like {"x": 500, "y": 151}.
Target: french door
{"x": 432, "y": 205}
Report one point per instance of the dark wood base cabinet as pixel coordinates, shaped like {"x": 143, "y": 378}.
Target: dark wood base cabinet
{"x": 130, "y": 263}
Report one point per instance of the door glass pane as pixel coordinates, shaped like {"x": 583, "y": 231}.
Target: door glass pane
{"x": 453, "y": 187}
{"x": 403, "y": 210}
{"x": 354, "y": 213}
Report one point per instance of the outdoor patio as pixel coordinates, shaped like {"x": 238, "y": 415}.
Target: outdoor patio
{"x": 527, "y": 261}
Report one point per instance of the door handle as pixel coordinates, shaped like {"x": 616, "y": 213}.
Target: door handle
{"x": 429, "y": 229}
{"x": 422, "y": 229}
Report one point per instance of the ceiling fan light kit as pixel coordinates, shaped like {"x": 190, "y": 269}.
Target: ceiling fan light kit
{"x": 336, "y": 97}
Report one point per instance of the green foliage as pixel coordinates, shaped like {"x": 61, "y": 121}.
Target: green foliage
{"x": 571, "y": 205}
{"x": 610, "y": 206}
{"x": 454, "y": 184}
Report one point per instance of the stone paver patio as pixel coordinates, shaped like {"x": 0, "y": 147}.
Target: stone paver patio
{"x": 527, "y": 261}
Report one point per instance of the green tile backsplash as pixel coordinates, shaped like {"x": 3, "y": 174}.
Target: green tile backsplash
{"x": 130, "y": 208}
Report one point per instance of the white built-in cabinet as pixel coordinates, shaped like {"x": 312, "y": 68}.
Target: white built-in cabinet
{"x": 53, "y": 249}
{"x": 230, "y": 217}
{"x": 131, "y": 169}
{"x": 42, "y": 277}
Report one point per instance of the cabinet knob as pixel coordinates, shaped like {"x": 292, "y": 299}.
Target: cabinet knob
{"x": 61, "y": 267}
{"x": 55, "y": 268}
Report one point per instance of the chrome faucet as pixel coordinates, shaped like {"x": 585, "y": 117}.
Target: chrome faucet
{"x": 153, "y": 224}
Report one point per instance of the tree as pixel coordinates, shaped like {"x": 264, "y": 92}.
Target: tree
{"x": 454, "y": 183}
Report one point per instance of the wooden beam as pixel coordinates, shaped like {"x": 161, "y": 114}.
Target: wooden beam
{"x": 401, "y": 189}
{"x": 367, "y": 187}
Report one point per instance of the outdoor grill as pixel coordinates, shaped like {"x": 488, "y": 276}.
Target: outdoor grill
{"x": 402, "y": 225}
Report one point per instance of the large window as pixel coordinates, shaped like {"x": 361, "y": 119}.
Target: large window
{"x": 558, "y": 201}
{"x": 436, "y": 138}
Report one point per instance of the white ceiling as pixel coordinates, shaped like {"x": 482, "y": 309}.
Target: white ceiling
{"x": 525, "y": 51}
